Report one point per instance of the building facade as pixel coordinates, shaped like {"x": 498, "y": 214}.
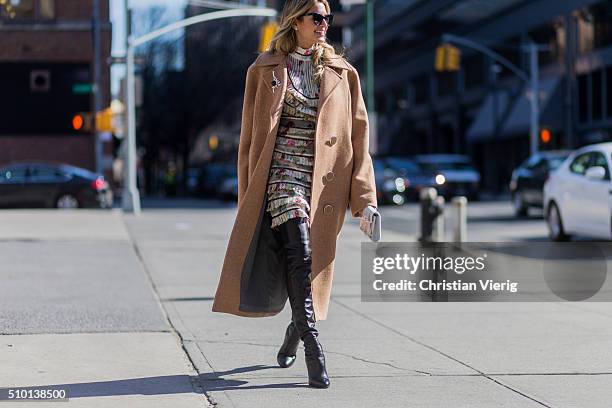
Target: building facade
{"x": 483, "y": 109}
{"x": 46, "y": 78}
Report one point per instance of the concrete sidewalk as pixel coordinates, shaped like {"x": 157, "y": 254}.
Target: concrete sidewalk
{"x": 378, "y": 354}
{"x": 78, "y": 313}
{"x": 115, "y": 309}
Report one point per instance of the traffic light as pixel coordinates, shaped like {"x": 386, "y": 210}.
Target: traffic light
{"x": 448, "y": 58}
{"x": 82, "y": 122}
{"x": 213, "y": 142}
{"x": 87, "y": 122}
{"x": 545, "y": 136}
{"x": 267, "y": 32}
{"x": 104, "y": 121}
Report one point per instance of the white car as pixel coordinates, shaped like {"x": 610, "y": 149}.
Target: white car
{"x": 577, "y": 195}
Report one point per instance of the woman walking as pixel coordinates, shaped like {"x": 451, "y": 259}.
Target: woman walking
{"x": 302, "y": 160}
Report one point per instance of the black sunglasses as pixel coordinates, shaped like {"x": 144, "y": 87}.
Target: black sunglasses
{"x": 318, "y": 18}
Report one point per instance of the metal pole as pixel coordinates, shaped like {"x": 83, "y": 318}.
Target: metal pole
{"x": 535, "y": 98}
{"x": 97, "y": 84}
{"x": 372, "y": 117}
{"x": 131, "y": 196}
{"x": 370, "y": 54}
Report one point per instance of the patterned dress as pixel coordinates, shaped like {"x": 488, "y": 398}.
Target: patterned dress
{"x": 290, "y": 177}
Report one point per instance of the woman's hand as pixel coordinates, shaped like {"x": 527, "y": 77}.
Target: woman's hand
{"x": 371, "y": 207}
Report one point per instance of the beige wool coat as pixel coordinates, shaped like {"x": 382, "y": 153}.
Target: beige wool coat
{"x": 253, "y": 277}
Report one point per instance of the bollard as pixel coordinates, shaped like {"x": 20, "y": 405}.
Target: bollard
{"x": 432, "y": 216}
{"x": 460, "y": 215}
{"x": 432, "y": 230}
{"x": 438, "y": 221}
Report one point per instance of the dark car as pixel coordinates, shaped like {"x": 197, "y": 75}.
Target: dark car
{"x": 451, "y": 174}
{"x": 413, "y": 175}
{"x": 527, "y": 183}
{"x": 52, "y": 185}
{"x": 212, "y": 177}
{"x": 228, "y": 190}
{"x": 390, "y": 186}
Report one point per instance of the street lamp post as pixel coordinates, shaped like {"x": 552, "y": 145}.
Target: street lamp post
{"x": 131, "y": 196}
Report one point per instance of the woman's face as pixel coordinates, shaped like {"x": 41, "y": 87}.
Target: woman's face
{"x": 307, "y": 32}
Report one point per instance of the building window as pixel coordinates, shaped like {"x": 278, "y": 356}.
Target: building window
{"x": 46, "y": 9}
{"x": 15, "y": 10}
{"x": 592, "y": 92}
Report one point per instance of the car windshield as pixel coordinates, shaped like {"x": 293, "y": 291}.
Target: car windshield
{"x": 403, "y": 165}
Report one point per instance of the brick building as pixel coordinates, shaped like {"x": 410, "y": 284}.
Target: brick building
{"x": 46, "y": 72}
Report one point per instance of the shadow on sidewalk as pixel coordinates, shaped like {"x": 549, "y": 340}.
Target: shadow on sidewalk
{"x": 160, "y": 385}
{"x": 215, "y": 381}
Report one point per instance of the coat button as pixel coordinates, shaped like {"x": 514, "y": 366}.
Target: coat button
{"x": 328, "y": 209}
{"x": 329, "y": 176}
{"x": 333, "y": 140}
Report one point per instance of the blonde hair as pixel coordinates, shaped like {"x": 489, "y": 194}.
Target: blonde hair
{"x": 285, "y": 40}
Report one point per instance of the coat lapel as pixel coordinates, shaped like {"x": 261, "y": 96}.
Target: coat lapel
{"x": 275, "y": 79}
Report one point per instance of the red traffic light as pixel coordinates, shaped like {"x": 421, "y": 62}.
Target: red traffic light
{"x": 77, "y": 122}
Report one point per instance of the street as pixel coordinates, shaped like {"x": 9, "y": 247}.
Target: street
{"x": 115, "y": 309}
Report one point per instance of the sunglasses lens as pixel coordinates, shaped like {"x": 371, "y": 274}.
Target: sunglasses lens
{"x": 318, "y": 19}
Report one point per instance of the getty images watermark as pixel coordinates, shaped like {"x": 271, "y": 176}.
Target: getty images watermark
{"x": 478, "y": 271}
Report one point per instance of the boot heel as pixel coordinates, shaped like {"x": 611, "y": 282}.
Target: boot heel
{"x": 287, "y": 354}
{"x": 315, "y": 362}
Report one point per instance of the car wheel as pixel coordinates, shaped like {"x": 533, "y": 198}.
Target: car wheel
{"x": 66, "y": 201}
{"x": 555, "y": 224}
{"x": 520, "y": 209}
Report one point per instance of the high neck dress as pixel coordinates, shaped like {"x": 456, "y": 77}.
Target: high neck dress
{"x": 290, "y": 176}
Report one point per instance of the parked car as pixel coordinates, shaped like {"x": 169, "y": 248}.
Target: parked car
{"x": 415, "y": 178}
{"x": 212, "y": 177}
{"x": 390, "y": 186}
{"x": 527, "y": 182}
{"x": 451, "y": 174}
{"x": 577, "y": 194}
{"x": 228, "y": 190}
{"x": 52, "y": 185}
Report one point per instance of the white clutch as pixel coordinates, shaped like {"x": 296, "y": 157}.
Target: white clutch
{"x": 370, "y": 223}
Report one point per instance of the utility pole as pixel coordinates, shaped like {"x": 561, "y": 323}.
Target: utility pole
{"x": 370, "y": 54}
{"x": 370, "y": 76}
{"x": 130, "y": 195}
{"x": 535, "y": 97}
{"x": 97, "y": 68}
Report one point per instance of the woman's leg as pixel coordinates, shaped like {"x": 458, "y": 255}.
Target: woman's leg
{"x": 295, "y": 234}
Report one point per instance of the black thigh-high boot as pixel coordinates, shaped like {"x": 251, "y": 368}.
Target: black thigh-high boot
{"x": 296, "y": 237}
{"x": 287, "y": 352}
